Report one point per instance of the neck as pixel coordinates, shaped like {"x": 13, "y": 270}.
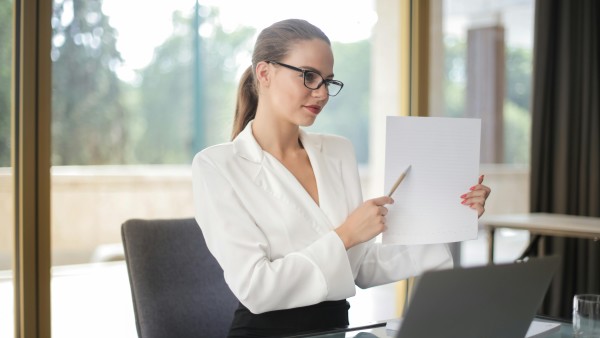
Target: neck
{"x": 279, "y": 138}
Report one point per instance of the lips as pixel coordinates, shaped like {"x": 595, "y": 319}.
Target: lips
{"x": 313, "y": 109}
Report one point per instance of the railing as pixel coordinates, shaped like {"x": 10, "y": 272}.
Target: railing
{"x": 89, "y": 204}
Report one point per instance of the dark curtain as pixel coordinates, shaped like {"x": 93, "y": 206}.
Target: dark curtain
{"x": 565, "y": 167}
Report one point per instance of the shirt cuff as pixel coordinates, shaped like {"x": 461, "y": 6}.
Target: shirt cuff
{"x": 329, "y": 254}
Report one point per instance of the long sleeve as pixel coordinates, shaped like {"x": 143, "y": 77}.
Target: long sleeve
{"x": 376, "y": 264}
{"x": 382, "y": 264}
{"x": 263, "y": 282}
{"x": 277, "y": 247}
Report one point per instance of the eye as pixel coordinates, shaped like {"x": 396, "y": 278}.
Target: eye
{"x": 311, "y": 77}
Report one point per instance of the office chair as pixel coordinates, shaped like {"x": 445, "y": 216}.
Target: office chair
{"x": 177, "y": 286}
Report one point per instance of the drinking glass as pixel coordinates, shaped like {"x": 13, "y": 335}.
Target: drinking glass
{"x": 586, "y": 316}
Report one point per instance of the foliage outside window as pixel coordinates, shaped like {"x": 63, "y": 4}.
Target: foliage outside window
{"x": 5, "y": 79}
{"x": 516, "y": 17}
{"x": 98, "y": 118}
{"x": 517, "y": 120}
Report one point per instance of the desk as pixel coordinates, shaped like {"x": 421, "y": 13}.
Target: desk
{"x": 542, "y": 224}
{"x": 379, "y": 331}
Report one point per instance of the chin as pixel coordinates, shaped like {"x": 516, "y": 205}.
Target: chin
{"x": 307, "y": 123}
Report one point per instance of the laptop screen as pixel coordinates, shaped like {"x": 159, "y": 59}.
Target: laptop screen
{"x": 488, "y": 301}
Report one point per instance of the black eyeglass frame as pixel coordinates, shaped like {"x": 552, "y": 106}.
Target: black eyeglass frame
{"x": 304, "y": 71}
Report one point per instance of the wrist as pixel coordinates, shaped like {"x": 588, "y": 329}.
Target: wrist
{"x": 344, "y": 237}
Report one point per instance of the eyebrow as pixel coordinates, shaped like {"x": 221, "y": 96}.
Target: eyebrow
{"x": 316, "y": 71}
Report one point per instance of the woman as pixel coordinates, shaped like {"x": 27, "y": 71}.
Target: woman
{"x": 281, "y": 209}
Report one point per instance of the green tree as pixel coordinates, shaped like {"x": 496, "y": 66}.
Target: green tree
{"x": 516, "y": 114}
{"x": 166, "y": 90}
{"x": 5, "y": 79}
{"x": 347, "y": 114}
{"x": 165, "y": 99}
{"x": 519, "y": 66}
{"x": 517, "y": 133}
{"x": 89, "y": 124}
{"x": 454, "y": 77}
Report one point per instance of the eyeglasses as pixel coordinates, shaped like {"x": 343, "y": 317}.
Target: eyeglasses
{"x": 314, "y": 80}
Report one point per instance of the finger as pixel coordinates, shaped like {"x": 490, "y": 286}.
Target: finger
{"x": 383, "y": 211}
{"x": 480, "y": 209}
{"x": 487, "y": 189}
{"x": 474, "y": 200}
{"x": 383, "y": 200}
{"x": 478, "y": 187}
{"x": 484, "y": 188}
{"x": 481, "y": 187}
{"x": 474, "y": 193}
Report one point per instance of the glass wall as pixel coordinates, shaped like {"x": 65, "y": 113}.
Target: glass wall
{"x": 133, "y": 101}
{"x": 481, "y": 67}
{"x": 485, "y": 71}
{"x": 7, "y": 216}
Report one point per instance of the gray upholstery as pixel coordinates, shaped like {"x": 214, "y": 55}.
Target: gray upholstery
{"x": 177, "y": 286}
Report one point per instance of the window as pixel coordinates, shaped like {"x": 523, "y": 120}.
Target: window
{"x": 481, "y": 67}
{"x": 485, "y": 71}
{"x": 7, "y": 216}
{"x": 133, "y": 101}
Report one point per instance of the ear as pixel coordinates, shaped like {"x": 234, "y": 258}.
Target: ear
{"x": 263, "y": 73}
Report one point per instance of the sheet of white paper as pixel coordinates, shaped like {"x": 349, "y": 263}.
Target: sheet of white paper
{"x": 444, "y": 156}
{"x": 539, "y": 329}
{"x": 536, "y": 329}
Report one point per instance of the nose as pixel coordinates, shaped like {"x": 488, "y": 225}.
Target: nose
{"x": 321, "y": 92}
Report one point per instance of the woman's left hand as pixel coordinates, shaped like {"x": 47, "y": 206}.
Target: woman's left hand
{"x": 475, "y": 199}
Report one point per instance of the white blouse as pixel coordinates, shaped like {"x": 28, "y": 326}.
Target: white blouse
{"x": 277, "y": 247}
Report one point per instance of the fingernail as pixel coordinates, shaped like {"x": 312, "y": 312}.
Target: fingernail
{"x": 472, "y": 188}
{"x": 464, "y": 202}
{"x": 463, "y": 195}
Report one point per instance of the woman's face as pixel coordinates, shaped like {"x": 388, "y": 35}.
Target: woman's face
{"x": 288, "y": 97}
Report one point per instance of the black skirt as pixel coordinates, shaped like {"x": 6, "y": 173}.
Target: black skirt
{"x": 325, "y": 315}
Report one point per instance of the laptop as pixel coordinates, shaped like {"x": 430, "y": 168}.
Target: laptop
{"x": 493, "y": 301}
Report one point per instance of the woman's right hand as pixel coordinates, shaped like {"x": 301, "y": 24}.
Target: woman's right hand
{"x": 365, "y": 222}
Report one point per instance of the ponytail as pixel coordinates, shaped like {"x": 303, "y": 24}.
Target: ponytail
{"x": 247, "y": 102}
{"x": 273, "y": 43}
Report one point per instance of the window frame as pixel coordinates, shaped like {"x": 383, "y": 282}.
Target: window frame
{"x": 30, "y": 148}
{"x": 31, "y": 136}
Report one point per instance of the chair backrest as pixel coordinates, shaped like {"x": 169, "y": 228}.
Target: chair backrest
{"x": 177, "y": 286}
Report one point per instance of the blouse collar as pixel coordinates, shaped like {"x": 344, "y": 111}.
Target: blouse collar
{"x": 246, "y": 146}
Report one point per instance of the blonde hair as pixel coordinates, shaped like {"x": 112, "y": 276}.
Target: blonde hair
{"x": 273, "y": 44}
